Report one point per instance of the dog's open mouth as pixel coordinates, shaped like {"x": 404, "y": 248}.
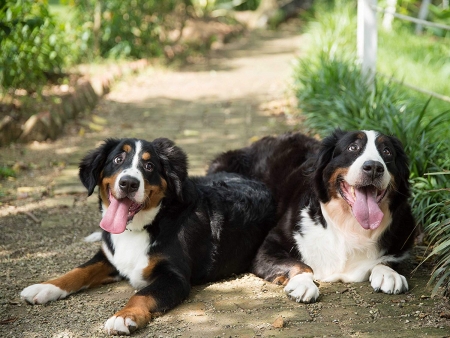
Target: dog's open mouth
{"x": 364, "y": 202}
{"x": 119, "y": 213}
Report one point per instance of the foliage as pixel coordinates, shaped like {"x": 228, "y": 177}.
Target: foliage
{"x": 30, "y": 42}
{"x": 436, "y": 13}
{"x": 238, "y": 5}
{"x": 124, "y": 28}
{"x": 440, "y": 236}
{"x": 332, "y": 93}
{"x": 6, "y": 172}
{"x": 422, "y": 61}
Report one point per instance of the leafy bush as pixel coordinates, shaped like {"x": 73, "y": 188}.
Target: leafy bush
{"x": 332, "y": 93}
{"x": 124, "y": 28}
{"x": 237, "y": 5}
{"x": 440, "y": 236}
{"x": 31, "y": 45}
{"x": 6, "y": 172}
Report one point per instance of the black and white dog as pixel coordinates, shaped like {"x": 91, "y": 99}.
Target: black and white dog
{"x": 342, "y": 206}
{"x": 163, "y": 231}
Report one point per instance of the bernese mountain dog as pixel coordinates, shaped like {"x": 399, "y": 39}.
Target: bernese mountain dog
{"x": 342, "y": 204}
{"x": 162, "y": 230}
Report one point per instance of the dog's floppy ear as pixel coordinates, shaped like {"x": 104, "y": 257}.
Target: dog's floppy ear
{"x": 174, "y": 164}
{"x": 92, "y": 164}
{"x": 324, "y": 157}
{"x": 402, "y": 165}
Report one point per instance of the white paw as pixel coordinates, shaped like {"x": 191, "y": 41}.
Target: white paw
{"x": 302, "y": 288}
{"x": 42, "y": 293}
{"x": 120, "y": 326}
{"x": 387, "y": 280}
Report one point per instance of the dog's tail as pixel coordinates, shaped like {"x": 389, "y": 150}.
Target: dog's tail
{"x": 233, "y": 161}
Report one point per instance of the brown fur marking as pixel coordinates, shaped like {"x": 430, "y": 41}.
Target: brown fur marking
{"x": 332, "y": 182}
{"x": 153, "y": 261}
{"x": 146, "y": 156}
{"x": 295, "y": 270}
{"x": 104, "y": 193}
{"x": 85, "y": 277}
{"x": 138, "y": 309}
{"x": 154, "y": 194}
{"x": 126, "y": 148}
{"x": 298, "y": 269}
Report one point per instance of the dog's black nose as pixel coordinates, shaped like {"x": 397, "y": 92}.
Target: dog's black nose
{"x": 373, "y": 168}
{"x": 128, "y": 184}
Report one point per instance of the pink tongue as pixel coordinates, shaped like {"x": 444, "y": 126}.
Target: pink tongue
{"x": 116, "y": 217}
{"x": 366, "y": 210}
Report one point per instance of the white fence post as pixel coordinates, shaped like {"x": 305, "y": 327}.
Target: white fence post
{"x": 367, "y": 38}
{"x": 423, "y": 13}
{"x": 389, "y": 14}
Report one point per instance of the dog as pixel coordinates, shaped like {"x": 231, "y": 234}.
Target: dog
{"x": 342, "y": 205}
{"x": 162, "y": 230}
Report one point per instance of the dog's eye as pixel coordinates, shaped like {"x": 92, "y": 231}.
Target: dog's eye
{"x": 119, "y": 158}
{"x": 148, "y": 166}
{"x": 353, "y": 147}
{"x": 387, "y": 151}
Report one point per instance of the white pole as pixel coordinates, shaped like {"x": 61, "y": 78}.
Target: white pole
{"x": 367, "y": 38}
{"x": 423, "y": 13}
{"x": 389, "y": 14}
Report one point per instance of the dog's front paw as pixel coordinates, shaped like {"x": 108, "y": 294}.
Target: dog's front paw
{"x": 302, "y": 288}
{"x": 42, "y": 293}
{"x": 120, "y": 326}
{"x": 127, "y": 320}
{"x": 387, "y": 280}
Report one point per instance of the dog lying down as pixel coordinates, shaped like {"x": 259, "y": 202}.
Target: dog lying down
{"x": 162, "y": 230}
{"x": 342, "y": 205}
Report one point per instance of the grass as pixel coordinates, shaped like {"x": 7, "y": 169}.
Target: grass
{"x": 333, "y": 93}
{"x": 421, "y": 61}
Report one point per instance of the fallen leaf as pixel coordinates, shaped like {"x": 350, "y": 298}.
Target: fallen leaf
{"x": 278, "y": 323}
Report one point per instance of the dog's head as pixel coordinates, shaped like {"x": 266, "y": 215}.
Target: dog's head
{"x": 133, "y": 177}
{"x": 365, "y": 169}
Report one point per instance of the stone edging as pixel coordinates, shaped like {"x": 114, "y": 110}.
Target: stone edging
{"x": 49, "y": 124}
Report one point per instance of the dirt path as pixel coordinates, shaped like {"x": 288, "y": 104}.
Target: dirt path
{"x": 215, "y": 105}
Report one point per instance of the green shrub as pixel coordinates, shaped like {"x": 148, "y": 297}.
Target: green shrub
{"x": 125, "y": 28}
{"x": 6, "y": 172}
{"x": 440, "y": 235}
{"x": 31, "y": 45}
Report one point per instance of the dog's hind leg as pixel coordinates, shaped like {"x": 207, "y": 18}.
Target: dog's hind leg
{"x": 95, "y": 272}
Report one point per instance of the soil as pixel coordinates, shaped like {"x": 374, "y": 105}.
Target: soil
{"x": 237, "y": 94}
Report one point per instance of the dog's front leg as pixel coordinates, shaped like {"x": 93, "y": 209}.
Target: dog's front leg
{"x": 95, "y": 272}
{"x": 166, "y": 289}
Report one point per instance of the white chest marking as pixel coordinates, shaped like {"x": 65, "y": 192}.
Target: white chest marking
{"x": 130, "y": 255}
{"x": 346, "y": 252}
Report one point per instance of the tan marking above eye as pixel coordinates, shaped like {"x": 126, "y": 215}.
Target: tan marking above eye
{"x": 146, "y": 156}
{"x": 126, "y": 148}
{"x": 382, "y": 139}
